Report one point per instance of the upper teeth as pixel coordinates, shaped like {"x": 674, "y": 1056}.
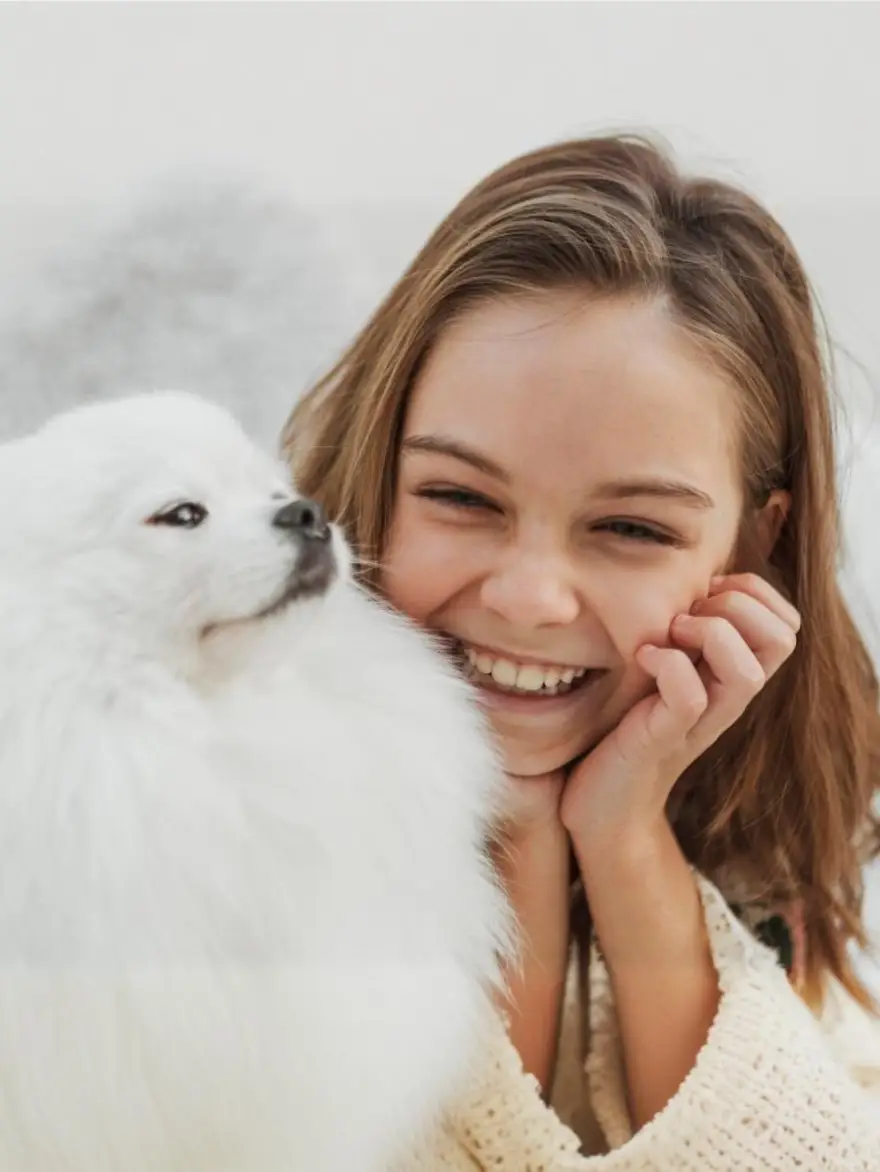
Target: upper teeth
{"x": 526, "y": 676}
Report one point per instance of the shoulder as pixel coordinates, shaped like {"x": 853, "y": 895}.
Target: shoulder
{"x": 851, "y": 1032}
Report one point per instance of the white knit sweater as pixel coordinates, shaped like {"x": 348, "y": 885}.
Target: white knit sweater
{"x": 773, "y": 1089}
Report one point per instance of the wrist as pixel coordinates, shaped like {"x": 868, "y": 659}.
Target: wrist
{"x": 524, "y": 852}
{"x": 645, "y": 903}
{"x": 637, "y": 847}
{"x": 534, "y": 865}
{"x": 533, "y": 829}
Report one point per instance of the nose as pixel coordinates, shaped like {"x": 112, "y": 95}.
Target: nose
{"x": 303, "y": 518}
{"x": 532, "y": 592}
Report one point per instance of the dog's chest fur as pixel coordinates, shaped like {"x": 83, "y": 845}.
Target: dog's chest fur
{"x": 246, "y": 925}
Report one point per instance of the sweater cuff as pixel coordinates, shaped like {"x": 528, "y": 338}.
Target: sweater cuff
{"x": 502, "y": 1121}
{"x": 764, "y": 1076}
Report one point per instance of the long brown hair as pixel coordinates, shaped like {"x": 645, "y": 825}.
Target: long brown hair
{"x": 789, "y": 789}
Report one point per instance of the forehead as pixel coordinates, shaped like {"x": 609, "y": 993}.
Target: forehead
{"x": 594, "y": 384}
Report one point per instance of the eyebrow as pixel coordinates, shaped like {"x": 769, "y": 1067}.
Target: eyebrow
{"x": 441, "y": 445}
{"x": 648, "y": 486}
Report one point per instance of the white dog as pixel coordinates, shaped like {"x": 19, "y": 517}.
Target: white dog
{"x": 246, "y": 919}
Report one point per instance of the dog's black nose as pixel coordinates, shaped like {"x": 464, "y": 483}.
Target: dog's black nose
{"x": 303, "y": 518}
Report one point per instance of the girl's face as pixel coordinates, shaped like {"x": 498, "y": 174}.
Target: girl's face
{"x": 567, "y": 484}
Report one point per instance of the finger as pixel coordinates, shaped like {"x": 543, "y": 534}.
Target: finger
{"x": 681, "y": 695}
{"x": 734, "y": 675}
{"x": 771, "y": 639}
{"x": 760, "y": 589}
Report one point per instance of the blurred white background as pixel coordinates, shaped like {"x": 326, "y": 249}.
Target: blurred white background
{"x": 213, "y": 195}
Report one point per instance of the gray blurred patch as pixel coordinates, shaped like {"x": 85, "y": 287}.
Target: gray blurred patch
{"x": 213, "y": 287}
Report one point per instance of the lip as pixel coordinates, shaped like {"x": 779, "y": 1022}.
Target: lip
{"x": 534, "y": 705}
{"x": 313, "y": 575}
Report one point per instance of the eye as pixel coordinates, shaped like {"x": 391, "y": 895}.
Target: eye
{"x": 638, "y": 531}
{"x": 187, "y": 515}
{"x": 457, "y": 498}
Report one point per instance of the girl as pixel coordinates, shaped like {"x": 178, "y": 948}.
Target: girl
{"x": 587, "y": 440}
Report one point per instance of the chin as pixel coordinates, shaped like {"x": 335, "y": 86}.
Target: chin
{"x": 530, "y": 751}
{"x": 524, "y": 759}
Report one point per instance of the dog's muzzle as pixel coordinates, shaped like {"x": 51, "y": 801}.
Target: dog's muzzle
{"x": 315, "y": 569}
{"x": 305, "y": 520}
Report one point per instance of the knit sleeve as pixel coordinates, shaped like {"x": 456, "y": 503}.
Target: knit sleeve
{"x": 766, "y": 1078}
{"x": 766, "y": 1092}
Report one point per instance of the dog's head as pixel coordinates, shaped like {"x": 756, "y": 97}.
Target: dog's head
{"x": 157, "y": 517}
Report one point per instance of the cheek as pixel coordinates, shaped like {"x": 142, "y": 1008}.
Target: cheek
{"x": 424, "y": 566}
{"x": 638, "y": 605}
{"x": 237, "y": 573}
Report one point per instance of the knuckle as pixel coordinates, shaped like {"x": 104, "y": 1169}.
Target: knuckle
{"x": 696, "y": 704}
{"x": 678, "y": 658}
{"x": 787, "y": 641}
{"x": 750, "y": 581}
{"x": 680, "y": 663}
{"x": 719, "y": 631}
{"x": 753, "y": 677}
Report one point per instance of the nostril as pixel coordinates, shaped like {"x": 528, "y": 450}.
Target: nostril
{"x": 306, "y": 515}
{"x": 305, "y": 518}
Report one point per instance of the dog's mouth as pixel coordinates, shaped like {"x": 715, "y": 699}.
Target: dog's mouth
{"x": 315, "y": 572}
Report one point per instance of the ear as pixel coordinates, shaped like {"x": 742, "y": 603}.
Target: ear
{"x": 769, "y": 520}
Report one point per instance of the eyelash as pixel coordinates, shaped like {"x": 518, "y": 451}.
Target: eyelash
{"x": 644, "y": 534}
{"x": 461, "y": 498}
{"x": 457, "y": 498}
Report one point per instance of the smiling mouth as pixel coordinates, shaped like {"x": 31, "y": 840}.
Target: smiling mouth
{"x": 496, "y": 673}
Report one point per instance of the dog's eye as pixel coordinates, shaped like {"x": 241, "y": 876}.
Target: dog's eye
{"x": 188, "y": 515}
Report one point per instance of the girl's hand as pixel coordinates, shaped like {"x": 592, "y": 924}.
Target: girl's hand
{"x": 724, "y": 652}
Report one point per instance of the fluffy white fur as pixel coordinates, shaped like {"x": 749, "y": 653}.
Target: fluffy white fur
{"x": 246, "y": 920}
